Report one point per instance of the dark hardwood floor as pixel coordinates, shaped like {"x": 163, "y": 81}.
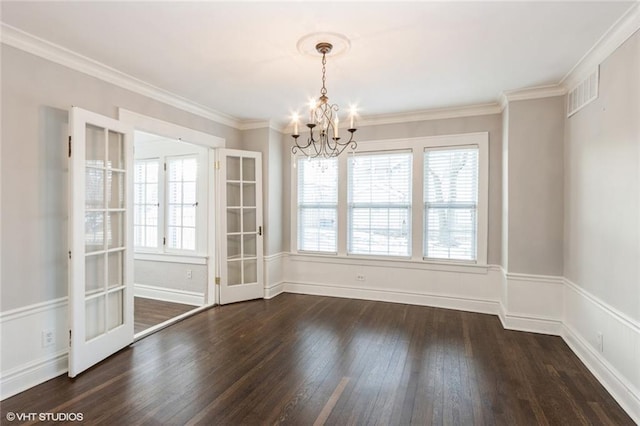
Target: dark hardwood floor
{"x": 150, "y": 312}
{"x": 307, "y": 360}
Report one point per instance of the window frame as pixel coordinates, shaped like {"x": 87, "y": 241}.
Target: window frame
{"x": 202, "y": 197}
{"x": 417, "y": 146}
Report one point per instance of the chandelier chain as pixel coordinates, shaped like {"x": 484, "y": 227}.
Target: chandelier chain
{"x": 323, "y": 91}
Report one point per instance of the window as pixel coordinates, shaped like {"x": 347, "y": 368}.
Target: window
{"x": 181, "y": 205}
{"x": 379, "y": 206}
{"x": 421, "y": 199}
{"x": 451, "y": 203}
{"x": 166, "y": 193}
{"x": 146, "y": 204}
{"x": 317, "y": 204}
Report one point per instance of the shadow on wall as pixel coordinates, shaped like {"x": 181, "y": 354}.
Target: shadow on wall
{"x": 53, "y": 181}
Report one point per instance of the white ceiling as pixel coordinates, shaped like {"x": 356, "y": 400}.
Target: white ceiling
{"x": 240, "y": 58}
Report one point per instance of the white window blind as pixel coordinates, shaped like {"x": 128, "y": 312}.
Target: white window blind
{"x": 181, "y": 202}
{"x": 379, "y": 206}
{"x": 146, "y": 205}
{"x": 317, "y": 204}
{"x": 451, "y": 203}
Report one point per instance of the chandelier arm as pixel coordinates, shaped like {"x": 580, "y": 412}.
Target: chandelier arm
{"x": 316, "y": 148}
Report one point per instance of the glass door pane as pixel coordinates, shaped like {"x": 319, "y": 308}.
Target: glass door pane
{"x": 242, "y": 199}
{"x": 105, "y": 230}
{"x": 100, "y": 249}
{"x": 242, "y": 229}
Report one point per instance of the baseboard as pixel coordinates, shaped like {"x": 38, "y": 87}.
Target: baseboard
{"x": 273, "y": 290}
{"x": 169, "y": 294}
{"x": 394, "y": 296}
{"x": 531, "y": 324}
{"x": 33, "y": 373}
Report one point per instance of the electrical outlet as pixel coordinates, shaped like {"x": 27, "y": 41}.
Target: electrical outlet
{"x": 189, "y": 274}
{"x": 360, "y": 277}
{"x": 600, "y": 342}
{"x": 48, "y": 338}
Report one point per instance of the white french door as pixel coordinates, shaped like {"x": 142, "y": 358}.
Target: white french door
{"x": 101, "y": 238}
{"x": 240, "y": 202}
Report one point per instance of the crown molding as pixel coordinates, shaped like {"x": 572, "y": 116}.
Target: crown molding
{"x": 531, "y": 93}
{"x": 432, "y": 114}
{"x": 256, "y": 124}
{"x": 29, "y": 43}
{"x": 619, "y": 32}
{"x": 425, "y": 115}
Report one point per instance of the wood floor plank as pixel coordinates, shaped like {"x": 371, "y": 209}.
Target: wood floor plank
{"x": 299, "y": 359}
{"x": 150, "y": 312}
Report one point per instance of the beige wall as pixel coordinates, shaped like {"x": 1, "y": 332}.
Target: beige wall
{"x": 36, "y": 95}
{"x": 269, "y": 143}
{"x": 486, "y": 123}
{"x": 274, "y": 200}
{"x": 505, "y": 190}
{"x": 602, "y": 186}
{"x": 534, "y": 189}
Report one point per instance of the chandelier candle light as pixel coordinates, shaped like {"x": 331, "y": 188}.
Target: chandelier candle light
{"x": 326, "y": 143}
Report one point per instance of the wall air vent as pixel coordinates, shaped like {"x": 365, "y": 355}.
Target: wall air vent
{"x": 584, "y": 93}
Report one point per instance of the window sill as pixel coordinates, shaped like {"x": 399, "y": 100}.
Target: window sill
{"x": 172, "y": 258}
{"x": 394, "y": 262}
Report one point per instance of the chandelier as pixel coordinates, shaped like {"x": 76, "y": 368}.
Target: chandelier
{"x": 325, "y": 141}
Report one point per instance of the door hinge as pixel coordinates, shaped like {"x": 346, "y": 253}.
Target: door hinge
{"x": 69, "y": 338}
{"x": 217, "y": 280}
{"x": 260, "y": 230}
{"x": 217, "y": 165}
{"x": 69, "y": 146}
{"x": 165, "y": 167}
{"x": 164, "y": 241}
{"x": 69, "y": 254}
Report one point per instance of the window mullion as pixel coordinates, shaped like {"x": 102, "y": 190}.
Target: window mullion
{"x": 343, "y": 208}
{"x": 164, "y": 204}
{"x": 417, "y": 214}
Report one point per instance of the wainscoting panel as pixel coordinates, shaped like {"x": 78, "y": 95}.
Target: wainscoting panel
{"x": 273, "y": 272}
{"x": 616, "y": 363}
{"x": 26, "y": 361}
{"x": 169, "y": 294}
{"x": 532, "y": 303}
{"x": 464, "y": 287}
